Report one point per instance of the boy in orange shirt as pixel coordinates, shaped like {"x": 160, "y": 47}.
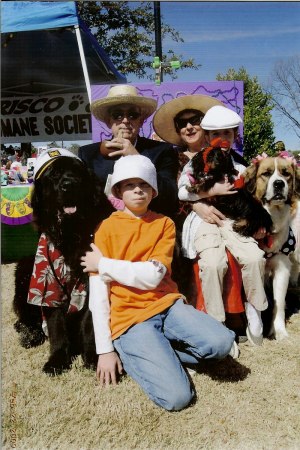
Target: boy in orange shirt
{"x": 140, "y": 319}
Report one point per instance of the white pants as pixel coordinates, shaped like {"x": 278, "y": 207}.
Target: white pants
{"x": 211, "y": 242}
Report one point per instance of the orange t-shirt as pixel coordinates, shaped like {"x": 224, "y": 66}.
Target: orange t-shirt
{"x": 124, "y": 237}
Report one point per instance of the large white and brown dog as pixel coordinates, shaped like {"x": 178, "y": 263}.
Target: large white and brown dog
{"x": 275, "y": 181}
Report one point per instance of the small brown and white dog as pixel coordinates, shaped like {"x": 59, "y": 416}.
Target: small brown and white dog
{"x": 275, "y": 181}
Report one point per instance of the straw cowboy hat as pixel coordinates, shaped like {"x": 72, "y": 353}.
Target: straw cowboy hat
{"x": 122, "y": 94}
{"x": 163, "y": 120}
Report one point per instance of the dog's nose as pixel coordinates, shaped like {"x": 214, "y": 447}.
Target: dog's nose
{"x": 66, "y": 184}
{"x": 278, "y": 185}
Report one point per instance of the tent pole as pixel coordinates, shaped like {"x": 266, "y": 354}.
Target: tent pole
{"x": 83, "y": 62}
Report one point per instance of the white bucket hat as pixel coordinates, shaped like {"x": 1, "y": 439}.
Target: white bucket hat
{"x": 220, "y": 118}
{"x": 134, "y": 166}
{"x": 47, "y": 157}
{"x": 119, "y": 95}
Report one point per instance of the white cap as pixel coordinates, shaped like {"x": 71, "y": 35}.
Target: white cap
{"x": 47, "y": 157}
{"x": 220, "y": 118}
{"x": 134, "y": 166}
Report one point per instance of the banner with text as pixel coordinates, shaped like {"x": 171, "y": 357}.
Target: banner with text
{"x": 63, "y": 117}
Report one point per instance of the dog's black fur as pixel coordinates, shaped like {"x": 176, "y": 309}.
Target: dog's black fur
{"x": 65, "y": 183}
{"x": 246, "y": 212}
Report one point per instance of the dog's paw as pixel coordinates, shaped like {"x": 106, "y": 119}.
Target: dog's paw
{"x": 278, "y": 333}
{"x": 29, "y": 336}
{"x": 58, "y": 363}
{"x": 281, "y": 334}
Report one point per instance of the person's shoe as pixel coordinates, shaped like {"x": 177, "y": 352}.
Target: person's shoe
{"x": 234, "y": 351}
{"x": 255, "y": 340}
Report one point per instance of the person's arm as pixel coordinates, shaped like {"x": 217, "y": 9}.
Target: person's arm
{"x": 144, "y": 275}
{"x": 208, "y": 213}
{"x": 109, "y": 365}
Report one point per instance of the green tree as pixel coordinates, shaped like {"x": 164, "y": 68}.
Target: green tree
{"x": 258, "y": 124}
{"x": 126, "y": 32}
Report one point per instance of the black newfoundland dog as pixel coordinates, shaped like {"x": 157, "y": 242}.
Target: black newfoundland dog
{"x": 211, "y": 166}
{"x": 51, "y": 293}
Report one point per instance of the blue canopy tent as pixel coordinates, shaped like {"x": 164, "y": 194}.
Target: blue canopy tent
{"x": 48, "y": 55}
{"x": 46, "y": 48}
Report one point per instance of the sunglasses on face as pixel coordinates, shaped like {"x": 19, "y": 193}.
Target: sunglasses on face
{"x": 119, "y": 115}
{"x": 194, "y": 120}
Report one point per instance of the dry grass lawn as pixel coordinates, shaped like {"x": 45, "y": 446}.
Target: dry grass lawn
{"x": 249, "y": 404}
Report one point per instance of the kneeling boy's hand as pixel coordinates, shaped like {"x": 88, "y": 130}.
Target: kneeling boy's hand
{"x": 91, "y": 259}
{"x": 108, "y": 368}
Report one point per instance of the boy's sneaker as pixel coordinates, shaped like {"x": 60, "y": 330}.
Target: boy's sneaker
{"x": 234, "y": 351}
{"x": 255, "y": 340}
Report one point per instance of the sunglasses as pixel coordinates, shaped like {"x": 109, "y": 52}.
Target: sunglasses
{"x": 194, "y": 120}
{"x": 119, "y": 115}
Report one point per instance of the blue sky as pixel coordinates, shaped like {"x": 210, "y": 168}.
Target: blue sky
{"x": 223, "y": 35}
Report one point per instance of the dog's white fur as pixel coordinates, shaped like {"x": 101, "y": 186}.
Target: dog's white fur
{"x": 275, "y": 182}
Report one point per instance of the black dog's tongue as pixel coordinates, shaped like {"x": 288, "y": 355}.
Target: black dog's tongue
{"x": 70, "y": 209}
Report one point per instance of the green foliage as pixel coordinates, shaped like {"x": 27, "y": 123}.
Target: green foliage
{"x": 127, "y": 34}
{"x": 258, "y": 124}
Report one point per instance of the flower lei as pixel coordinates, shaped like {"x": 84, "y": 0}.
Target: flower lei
{"x": 283, "y": 154}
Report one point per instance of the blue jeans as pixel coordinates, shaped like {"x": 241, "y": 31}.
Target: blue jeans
{"x": 152, "y": 352}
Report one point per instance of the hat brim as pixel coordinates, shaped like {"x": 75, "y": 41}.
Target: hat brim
{"x": 100, "y": 108}
{"x": 163, "y": 120}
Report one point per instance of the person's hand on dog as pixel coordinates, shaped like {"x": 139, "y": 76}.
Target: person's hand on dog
{"x": 91, "y": 259}
{"x": 109, "y": 367}
{"x": 225, "y": 188}
{"x": 208, "y": 213}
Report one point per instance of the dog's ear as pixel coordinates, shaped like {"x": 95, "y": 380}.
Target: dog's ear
{"x": 297, "y": 181}
{"x": 250, "y": 178}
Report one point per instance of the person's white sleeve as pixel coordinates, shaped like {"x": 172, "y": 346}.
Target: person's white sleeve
{"x": 183, "y": 182}
{"x": 100, "y": 308}
{"x": 238, "y": 166}
{"x": 142, "y": 275}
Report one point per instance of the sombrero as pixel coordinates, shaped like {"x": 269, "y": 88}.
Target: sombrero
{"x": 163, "y": 120}
{"x": 122, "y": 94}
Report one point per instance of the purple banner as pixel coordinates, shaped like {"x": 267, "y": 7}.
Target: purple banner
{"x": 231, "y": 93}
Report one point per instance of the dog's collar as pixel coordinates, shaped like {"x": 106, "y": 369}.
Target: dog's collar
{"x": 287, "y": 248}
